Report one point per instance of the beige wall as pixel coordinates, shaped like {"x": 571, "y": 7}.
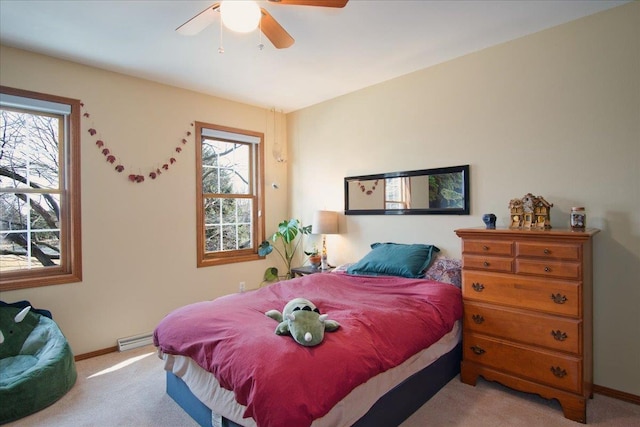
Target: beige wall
{"x": 139, "y": 241}
{"x": 556, "y": 114}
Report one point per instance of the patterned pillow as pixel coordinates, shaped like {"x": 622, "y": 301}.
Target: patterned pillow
{"x": 445, "y": 270}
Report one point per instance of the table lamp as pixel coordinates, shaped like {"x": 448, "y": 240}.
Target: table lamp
{"x": 324, "y": 222}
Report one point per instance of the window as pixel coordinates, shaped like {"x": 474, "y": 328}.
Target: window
{"x": 229, "y": 194}
{"x": 39, "y": 190}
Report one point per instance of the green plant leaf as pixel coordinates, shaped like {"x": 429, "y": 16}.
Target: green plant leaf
{"x": 265, "y": 248}
{"x": 271, "y": 274}
{"x": 288, "y": 230}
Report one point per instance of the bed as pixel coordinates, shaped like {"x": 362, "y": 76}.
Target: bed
{"x": 398, "y": 343}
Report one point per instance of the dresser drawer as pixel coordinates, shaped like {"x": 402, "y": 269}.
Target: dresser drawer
{"x": 487, "y": 263}
{"x": 487, "y": 247}
{"x": 553, "y": 369}
{"x": 558, "y": 269}
{"x": 556, "y": 333}
{"x": 551, "y": 296}
{"x": 548, "y": 250}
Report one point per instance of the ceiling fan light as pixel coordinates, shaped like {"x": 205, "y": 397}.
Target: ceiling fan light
{"x": 240, "y": 16}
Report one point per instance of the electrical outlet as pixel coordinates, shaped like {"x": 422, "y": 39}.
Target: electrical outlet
{"x": 241, "y": 287}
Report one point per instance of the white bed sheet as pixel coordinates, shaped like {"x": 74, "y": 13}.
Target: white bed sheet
{"x": 350, "y": 409}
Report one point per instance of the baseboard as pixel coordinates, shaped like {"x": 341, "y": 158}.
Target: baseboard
{"x": 616, "y": 394}
{"x": 96, "y": 353}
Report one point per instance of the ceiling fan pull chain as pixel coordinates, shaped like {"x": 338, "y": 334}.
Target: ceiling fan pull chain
{"x": 221, "y": 48}
{"x": 260, "y": 44}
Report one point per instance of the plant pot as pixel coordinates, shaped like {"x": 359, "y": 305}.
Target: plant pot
{"x": 315, "y": 261}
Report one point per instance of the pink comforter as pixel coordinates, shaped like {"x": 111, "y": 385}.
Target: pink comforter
{"x": 384, "y": 321}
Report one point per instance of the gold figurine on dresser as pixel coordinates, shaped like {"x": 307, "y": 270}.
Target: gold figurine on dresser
{"x": 528, "y": 312}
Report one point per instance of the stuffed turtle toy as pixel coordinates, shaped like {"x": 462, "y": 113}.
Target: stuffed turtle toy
{"x": 302, "y": 320}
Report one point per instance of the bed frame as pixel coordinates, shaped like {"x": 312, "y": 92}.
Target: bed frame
{"x": 390, "y": 410}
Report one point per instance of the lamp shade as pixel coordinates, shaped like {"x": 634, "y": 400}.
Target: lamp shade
{"x": 325, "y": 222}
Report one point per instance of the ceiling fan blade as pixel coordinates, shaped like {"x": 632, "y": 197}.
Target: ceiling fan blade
{"x": 322, "y": 3}
{"x": 199, "y": 22}
{"x": 274, "y": 31}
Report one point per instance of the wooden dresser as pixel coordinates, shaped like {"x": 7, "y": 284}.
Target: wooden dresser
{"x": 528, "y": 312}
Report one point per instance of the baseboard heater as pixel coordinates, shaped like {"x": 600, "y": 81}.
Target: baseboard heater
{"x": 135, "y": 341}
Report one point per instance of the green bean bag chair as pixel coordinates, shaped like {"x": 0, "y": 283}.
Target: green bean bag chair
{"x": 36, "y": 363}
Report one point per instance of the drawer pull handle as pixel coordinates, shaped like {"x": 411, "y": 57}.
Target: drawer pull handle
{"x": 558, "y": 371}
{"x": 486, "y": 263}
{"x": 478, "y": 287}
{"x": 477, "y": 318}
{"x": 547, "y": 269}
{"x": 559, "y": 299}
{"x": 485, "y": 248}
{"x": 559, "y": 335}
{"x": 479, "y": 350}
{"x": 546, "y": 251}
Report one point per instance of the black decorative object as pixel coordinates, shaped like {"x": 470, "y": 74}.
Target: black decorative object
{"x": 489, "y": 220}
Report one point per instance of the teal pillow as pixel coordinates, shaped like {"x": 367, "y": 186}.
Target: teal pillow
{"x": 395, "y": 259}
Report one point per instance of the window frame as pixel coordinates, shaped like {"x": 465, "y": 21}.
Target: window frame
{"x": 204, "y": 258}
{"x": 70, "y": 268}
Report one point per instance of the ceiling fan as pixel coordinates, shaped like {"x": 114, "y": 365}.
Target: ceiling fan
{"x": 267, "y": 23}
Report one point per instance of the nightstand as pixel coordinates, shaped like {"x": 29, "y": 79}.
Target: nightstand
{"x": 307, "y": 269}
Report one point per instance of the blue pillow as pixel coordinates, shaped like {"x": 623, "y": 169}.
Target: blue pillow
{"x": 395, "y": 259}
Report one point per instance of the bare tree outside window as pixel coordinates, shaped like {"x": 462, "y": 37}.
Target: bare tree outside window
{"x": 230, "y": 183}
{"x": 36, "y": 238}
{"x": 228, "y": 202}
{"x": 29, "y": 165}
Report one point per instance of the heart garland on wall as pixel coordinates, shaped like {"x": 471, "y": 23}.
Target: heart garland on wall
{"x": 111, "y": 158}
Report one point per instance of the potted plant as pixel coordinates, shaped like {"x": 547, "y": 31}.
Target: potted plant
{"x": 314, "y": 257}
{"x": 288, "y": 231}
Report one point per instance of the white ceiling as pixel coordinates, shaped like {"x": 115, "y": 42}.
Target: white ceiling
{"x": 337, "y": 51}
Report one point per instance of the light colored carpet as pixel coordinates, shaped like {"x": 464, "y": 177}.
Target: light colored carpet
{"x": 128, "y": 389}
{"x": 491, "y": 404}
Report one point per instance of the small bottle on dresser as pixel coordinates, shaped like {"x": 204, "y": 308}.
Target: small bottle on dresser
{"x": 578, "y": 218}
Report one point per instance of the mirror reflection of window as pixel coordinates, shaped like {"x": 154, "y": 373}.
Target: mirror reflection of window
{"x": 398, "y": 193}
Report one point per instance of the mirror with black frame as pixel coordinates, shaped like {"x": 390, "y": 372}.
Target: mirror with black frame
{"x": 443, "y": 191}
